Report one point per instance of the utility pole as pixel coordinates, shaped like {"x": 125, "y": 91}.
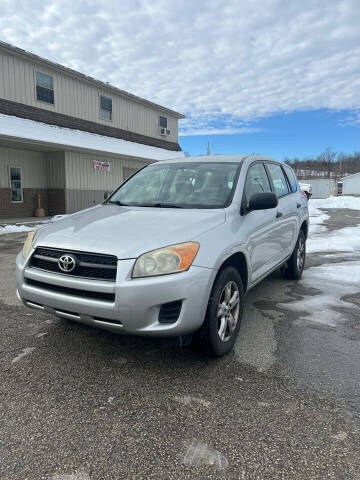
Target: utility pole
{"x": 208, "y": 149}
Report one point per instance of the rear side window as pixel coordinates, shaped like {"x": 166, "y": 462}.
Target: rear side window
{"x": 291, "y": 177}
{"x": 278, "y": 179}
{"x": 256, "y": 181}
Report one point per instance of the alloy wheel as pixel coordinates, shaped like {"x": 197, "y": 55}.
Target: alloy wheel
{"x": 228, "y": 311}
{"x": 300, "y": 258}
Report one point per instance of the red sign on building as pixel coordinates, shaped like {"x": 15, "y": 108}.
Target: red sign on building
{"x": 101, "y": 165}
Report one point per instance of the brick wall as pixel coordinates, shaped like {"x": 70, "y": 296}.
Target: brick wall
{"x": 52, "y": 200}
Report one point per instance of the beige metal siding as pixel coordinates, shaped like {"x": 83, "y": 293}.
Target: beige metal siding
{"x": 85, "y": 186}
{"x": 80, "y": 199}
{"x": 81, "y": 175}
{"x": 55, "y": 164}
{"x": 78, "y": 98}
{"x": 33, "y": 167}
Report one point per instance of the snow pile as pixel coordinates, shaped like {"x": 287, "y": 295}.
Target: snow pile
{"x": 16, "y": 229}
{"x": 335, "y": 202}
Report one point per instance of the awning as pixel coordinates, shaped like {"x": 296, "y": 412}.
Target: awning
{"x": 16, "y": 128}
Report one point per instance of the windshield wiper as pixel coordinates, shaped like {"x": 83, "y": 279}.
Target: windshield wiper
{"x": 117, "y": 202}
{"x": 165, "y": 205}
{"x": 135, "y": 204}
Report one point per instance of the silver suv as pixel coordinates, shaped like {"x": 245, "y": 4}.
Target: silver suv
{"x": 172, "y": 251}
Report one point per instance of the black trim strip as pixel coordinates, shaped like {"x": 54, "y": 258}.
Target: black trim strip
{"x": 49, "y": 287}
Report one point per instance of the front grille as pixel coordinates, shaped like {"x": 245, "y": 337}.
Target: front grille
{"x": 105, "y": 297}
{"x": 169, "y": 312}
{"x": 90, "y": 265}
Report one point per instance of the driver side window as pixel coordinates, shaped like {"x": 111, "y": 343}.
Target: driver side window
{"x": 256, "y": 181}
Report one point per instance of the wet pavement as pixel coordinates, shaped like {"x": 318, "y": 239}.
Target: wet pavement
{"x": 79, "y": 403}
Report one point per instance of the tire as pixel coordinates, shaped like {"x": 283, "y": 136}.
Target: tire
{"x": 296, "y": 263}
{"x": 227, "y": 284}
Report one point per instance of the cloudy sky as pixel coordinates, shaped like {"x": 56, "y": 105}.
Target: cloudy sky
{"x": 271, "y": 76}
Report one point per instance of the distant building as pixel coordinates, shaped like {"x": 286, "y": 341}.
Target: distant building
{"x": 69, "y": 137}
{"x": 351, "y": 184}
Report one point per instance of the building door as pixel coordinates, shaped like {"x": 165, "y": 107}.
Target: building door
{"x": 16, "y": 184}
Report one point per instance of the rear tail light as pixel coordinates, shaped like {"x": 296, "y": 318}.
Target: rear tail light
{"x": 302, "y": 191}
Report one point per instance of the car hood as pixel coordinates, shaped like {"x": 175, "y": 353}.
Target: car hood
{"x": 127, "y": 232}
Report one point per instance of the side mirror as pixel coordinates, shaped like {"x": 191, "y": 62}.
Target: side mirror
{"x": 107, "y": 194}
{"x": 262, "y": 201}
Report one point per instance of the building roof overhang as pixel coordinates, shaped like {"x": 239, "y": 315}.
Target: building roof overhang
{"x": 24, "y": 130}
{"x": 42, "y": 115}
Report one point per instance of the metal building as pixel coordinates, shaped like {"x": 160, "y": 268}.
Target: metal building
{"x": 321, "y": 187}
{"x": 351, "y": 185}
{"x": 69, "y": 137}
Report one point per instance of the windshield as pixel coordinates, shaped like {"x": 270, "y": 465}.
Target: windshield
{"x": 180, "y": 185}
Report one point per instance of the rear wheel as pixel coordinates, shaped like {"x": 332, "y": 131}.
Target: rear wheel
{"x": 296, "y": 263}
{"x": 224, "y": 313}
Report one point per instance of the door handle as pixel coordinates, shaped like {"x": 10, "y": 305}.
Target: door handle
{"x": 298, "y": 205}
{"x": 279, "y": 214}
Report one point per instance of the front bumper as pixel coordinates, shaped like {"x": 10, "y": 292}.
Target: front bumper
{"x": 137, "y": 303}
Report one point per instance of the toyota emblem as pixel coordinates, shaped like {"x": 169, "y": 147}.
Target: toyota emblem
{"x": 67, "y": 263}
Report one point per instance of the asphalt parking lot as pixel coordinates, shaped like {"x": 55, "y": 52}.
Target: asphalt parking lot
{"x": 82, "y": 404}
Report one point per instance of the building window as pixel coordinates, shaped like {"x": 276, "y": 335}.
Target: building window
{"x": 105, "y": 108}
{"x": 44, "y": 88}
{"x": 16, "y": 184}
{"x": 163, "y": 122}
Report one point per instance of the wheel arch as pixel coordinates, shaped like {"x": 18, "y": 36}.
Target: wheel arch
{"x": 305, "y": 228}
{"x": 237, "y": 260}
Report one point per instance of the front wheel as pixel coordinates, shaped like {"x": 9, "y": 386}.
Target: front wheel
{"x": 224, "y": 314}
{"x": 296, "y": 263}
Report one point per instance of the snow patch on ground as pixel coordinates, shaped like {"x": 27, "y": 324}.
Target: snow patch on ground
{"x": 320, "y": 239}
{"x": 25, "y": 228}
{"x": 333, "y": 281}
{"x": 16, "y": 229}
{"x": 343, "y": 240}
{"x": 317, "y": 218}
{"x": 335, "y": 202}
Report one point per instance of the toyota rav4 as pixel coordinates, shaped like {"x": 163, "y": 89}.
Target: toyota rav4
{"x": 172, "y": 251}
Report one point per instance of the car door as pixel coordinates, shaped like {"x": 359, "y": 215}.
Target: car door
{"x": 262, "y": 241}
{"x": 286, "y": 215}
{"x": 298, "y": 204}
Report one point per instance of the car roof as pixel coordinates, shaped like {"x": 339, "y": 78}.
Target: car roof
{"x": 217, "y": 158}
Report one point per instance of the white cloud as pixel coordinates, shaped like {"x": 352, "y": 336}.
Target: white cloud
{"x": 221, "y": 131}
{"x": 351, "y": 120}
{"x": 224, "y": 63}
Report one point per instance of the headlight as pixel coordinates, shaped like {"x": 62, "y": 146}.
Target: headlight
{"x": 172, "y": 259}
{"x": 28, "y": 243}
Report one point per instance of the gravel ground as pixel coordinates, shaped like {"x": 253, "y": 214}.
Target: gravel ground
{"x": 79, "y": 403}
